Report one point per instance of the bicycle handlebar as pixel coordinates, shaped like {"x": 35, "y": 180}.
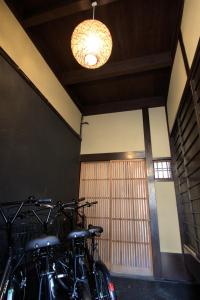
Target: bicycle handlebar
{"x": 81, "y": 199}
{"x": 87, "y": 204}
{"x": 43, "y": 201}
{"x": 75, "y": 202}
{"x": 29, "y": 201}
{"x": 94, "y": 202}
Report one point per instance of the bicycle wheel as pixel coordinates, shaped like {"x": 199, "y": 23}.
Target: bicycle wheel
{"x": 16, "y": 289}
{"x": 46, "y": 288}
{"x": 104, "y": 286}
{"x": 83, "y": 291}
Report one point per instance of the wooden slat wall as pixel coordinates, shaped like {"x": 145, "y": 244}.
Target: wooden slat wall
{"x": 123, "y": 211}
{"x": 186, "y": 151}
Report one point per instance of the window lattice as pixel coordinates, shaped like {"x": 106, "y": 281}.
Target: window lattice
{"x": 162, "y": 170}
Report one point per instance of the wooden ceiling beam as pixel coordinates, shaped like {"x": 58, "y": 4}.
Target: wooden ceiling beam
{"x": 126, "y": 67}
{"x": 117, "y": 106}
{"x": 61, "y": 11}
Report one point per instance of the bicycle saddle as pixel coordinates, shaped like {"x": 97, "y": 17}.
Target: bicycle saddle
{"x": 77, "y": 234}
{"x": 46, "y": 241}
{"x": 95, "y": 229}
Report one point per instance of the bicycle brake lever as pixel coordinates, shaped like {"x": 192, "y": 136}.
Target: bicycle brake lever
{"x": 46, "y": 205}
{"x": 68, "y": 208}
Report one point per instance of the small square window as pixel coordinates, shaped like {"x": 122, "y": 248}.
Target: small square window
{"x": 162, "y": 170}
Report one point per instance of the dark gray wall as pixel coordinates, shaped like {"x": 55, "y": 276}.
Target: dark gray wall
{"x": 39, "y": 153}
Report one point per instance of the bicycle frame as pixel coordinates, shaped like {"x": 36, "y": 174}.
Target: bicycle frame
{"x": 80, "y": 268}
{"x": 46, "y": 276}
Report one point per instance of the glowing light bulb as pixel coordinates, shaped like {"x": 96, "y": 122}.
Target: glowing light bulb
{"x": 91, "y": 59}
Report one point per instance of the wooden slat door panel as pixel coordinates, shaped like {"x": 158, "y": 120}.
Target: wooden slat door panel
{"x": 95, "y": 186}
{"x": 120, "y": 187}
{"x": 130, "y": 223}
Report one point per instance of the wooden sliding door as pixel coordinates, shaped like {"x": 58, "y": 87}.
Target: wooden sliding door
{"x": 120, "y": 187}
{"x": 95, "y": 186}
{"x": 130, "y": 224}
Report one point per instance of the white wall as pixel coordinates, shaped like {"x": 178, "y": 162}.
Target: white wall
{"x": 115, "y": 132}
{"x": 176, "y": 87}
{"x": 169, "y": 232}
{"x": 19, "y": 47}
{"x": 159, "y": 132}
{"x": 167, "y": 217}
{"x": 190, "y": 28}
{"x": 122, "y": 132}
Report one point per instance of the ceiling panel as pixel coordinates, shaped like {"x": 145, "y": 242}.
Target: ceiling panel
{"x": 139, "y": 29}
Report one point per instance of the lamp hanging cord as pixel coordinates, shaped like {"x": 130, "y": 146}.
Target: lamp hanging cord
{"x": 94, "y": 4}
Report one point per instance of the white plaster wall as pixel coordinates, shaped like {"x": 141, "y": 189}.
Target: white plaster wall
{"x": 159, "y": 132}
{"x": 190, "y": 27}
{"x": 115, "y": 132}
{"x": 167, "y": 217}
{"x": 176, "y": 87}
{"x": 165, "y": 193}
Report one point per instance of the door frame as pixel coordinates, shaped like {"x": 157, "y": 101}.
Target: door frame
{"x": 147, "y": 155}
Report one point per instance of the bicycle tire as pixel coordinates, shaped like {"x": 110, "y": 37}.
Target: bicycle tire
{"x": 104, "y": 286}
{"x": 10, "y": 294}
{"x": 14, "y": 292}
{"x": 83, "y": 291}
{"x": 45, "y": 288}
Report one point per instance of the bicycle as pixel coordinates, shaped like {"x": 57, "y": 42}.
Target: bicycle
{"x": 75, "y": 281}
{"x": 104, "y": 287}
{"x": 10, "y": 277}
{"x": 74, "y": 268}
{"x": 42, "y": 255}
{"x": 100, "y": 281}
{"x": 87, "y": 277}
{"x": 68, "y": 269}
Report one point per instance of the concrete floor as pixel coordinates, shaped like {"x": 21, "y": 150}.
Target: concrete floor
{"x": 135, "y": 289}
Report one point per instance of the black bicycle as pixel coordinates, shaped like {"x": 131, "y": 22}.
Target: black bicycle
{"x": 42, "y": 253}
{"x": 13, "y": 280}
{"x": 97, "y": 274}
{"x": 65, "y": 268}
{"x": 59, "y": 270}
{"x": 72, "y": 272}
{"x": 102, "y": 285}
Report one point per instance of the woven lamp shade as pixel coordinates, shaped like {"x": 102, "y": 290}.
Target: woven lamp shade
{"x": 91, "y": 44}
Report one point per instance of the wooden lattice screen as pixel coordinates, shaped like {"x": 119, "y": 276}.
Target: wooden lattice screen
{"x": 120, "y": 187}
{"x": 185, "y": 140}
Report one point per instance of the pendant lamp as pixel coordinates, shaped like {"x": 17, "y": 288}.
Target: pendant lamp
{"x": 91, "y": 43}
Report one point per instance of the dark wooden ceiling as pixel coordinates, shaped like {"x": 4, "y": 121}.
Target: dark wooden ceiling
{"x": 144, "y": 33}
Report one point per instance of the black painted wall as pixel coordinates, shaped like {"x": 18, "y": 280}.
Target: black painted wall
{"x": 39, "y": 153}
